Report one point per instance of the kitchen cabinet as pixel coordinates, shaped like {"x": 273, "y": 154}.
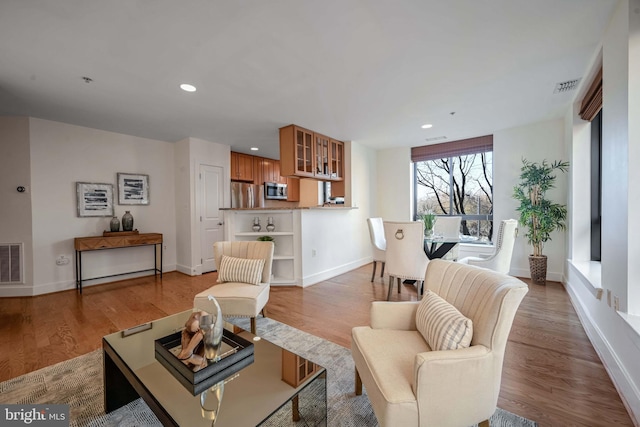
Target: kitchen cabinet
{"x": 336, "y": 160}
{"x": 296, "y": 151}
{"x": 241, "y": 167}
{"x": 308, "y": 154}
{"x": 321, "y": 156}
{"x": 293, "y": 189}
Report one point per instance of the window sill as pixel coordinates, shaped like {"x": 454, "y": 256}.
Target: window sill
{"x": 590, "y": 273}
{"x": 634, "y": 323}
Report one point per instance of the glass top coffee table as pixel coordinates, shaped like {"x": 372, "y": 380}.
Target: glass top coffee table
{"x": 277, "y": 388}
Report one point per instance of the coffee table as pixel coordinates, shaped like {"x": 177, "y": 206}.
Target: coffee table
{"x": 255, "y": 395}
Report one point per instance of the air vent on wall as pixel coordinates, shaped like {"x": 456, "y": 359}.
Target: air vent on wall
{"x": 567, "y": 86}
{"x": 435, "y": 138}
{"x": 10, "y": 263}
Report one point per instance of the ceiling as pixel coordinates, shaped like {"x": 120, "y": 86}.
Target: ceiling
{"x": 371, "y": 71}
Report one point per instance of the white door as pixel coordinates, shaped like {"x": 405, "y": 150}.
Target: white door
{"x": 211, "y": 200}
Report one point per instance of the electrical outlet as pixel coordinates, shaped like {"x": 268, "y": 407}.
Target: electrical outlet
{"x": 62, "y": 260}
{"x": 313, "y": 252}
{"x": 609, "y": 297}
{"x": 616, "y": 303}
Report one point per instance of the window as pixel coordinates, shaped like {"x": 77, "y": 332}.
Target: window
{"x": 596, "y": 186}
{"x": 456, "y": 178}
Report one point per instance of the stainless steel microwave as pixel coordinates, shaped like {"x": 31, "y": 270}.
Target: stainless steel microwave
{"x": 275, "y": 191}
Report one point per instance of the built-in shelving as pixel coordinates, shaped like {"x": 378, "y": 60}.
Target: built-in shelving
{"x": 239, "y": 227}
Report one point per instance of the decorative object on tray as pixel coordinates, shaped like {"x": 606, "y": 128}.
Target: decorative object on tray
{"x": 114, "y": 225}
{"x": 212, "y": 326}
{"x": 191, "y": 352}
{"x": 270, "y": 225}
{"x": 256, "y": 224}
{"x": 183, "y": 354}
{"x": 133, "y": 189}
{"x": 94, "y": 199}
{"x": 127, "y": 221}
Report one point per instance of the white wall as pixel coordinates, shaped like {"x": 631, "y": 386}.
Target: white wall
{"x": 340, "y": 237}
{"x": 15, "y": 222}
{"x": 62, "y": 155}
{"x": 534, "y": 142}
{"x": 394, "y": 194}
{"x": 612, "y": 333}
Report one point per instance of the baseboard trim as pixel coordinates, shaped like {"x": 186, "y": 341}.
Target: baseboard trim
{"x": 552, "y": 276}
{"x": 333, "y": 272}
{"x": 619, "y": 375}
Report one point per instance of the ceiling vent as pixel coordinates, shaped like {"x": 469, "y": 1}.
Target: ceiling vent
{"x": 567, "y": 86}
{"x": 435, "y": 138}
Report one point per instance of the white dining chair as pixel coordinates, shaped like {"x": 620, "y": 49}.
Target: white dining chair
{"x": 448, "y": 227}
{"x": 379, "y": 243}
{"x": 500, "y": 260}
{"x": 406, "y": 259}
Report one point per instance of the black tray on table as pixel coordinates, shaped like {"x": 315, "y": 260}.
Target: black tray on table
{"x": 236, "y": 353}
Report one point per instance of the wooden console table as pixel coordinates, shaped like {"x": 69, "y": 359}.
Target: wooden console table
{"x": 115, "y": 241}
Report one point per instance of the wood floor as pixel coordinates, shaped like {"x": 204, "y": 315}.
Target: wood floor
{"x": 551, "y": 372}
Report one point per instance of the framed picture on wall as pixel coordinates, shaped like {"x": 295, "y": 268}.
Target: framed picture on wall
{"x": 94, "y": 199}
{"x": 133, "y": 189}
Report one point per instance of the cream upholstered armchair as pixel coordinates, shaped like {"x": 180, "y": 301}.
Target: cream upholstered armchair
{"x": 379, "y": 243}
{"x": 405, "y": 255}
{"x": 500, "y": 260}
{"x": 244, "y": 276}
{"x": 438, "y": 361}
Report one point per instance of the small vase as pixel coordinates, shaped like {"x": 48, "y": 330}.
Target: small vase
{"x": 256, "y": 224}
{"x": 127, "y": 221}
{"x": 270, "y": 225}
{"x": 114, "y": 225}
{"x": 212, "y": 328}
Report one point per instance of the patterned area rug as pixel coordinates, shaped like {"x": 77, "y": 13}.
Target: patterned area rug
{"x": 78, "y": 382}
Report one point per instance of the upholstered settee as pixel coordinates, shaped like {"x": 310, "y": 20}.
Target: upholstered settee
{"x": 408, "y": 382}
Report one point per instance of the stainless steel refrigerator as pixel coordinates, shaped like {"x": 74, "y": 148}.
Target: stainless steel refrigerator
{"x": 245, "y": 195}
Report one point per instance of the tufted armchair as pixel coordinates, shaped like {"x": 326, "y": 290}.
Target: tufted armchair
{"x": 409, "y": 381}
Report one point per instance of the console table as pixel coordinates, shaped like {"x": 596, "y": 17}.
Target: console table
{"x": 116, "y": 241}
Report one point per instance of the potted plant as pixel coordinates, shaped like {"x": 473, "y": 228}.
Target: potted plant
{"x": 266, "y": 239}
{"x": 429, "y": 220}
{"x": 540, "y": 215}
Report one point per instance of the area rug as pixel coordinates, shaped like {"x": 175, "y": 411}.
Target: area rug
{"x": 78, "y": 382}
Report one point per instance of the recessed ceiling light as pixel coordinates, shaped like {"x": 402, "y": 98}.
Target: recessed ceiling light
{"x": 427, "y": 126}
{"x": 187, "y": 87}
{"x": 254, "y": 148}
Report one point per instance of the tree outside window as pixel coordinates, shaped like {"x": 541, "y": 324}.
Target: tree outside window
{"x": 458, "y": 185}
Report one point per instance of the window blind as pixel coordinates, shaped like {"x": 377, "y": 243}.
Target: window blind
{"x": 481, "y": 144}
{"x": 592, "y": 101}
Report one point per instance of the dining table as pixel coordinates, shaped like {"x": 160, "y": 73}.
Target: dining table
{"x": 439, "y": 246}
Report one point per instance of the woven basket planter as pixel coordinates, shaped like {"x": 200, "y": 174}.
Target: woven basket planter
{"x": 538, "y": 269}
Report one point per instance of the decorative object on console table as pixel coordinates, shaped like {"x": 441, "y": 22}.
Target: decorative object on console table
{"x": 540, "y": 215}
{"x": 127, "y": 221}
{"x": 266, "y": 239}
{"x": 133, "y": 189}
{"x": 114, "y": 225}
{"x": 256, "y": 224}
{"x": 94, "y": 199}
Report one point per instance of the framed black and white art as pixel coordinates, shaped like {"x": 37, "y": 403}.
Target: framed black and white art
{"x": 94, "y": 199}
{"x": 133, "y": 189}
